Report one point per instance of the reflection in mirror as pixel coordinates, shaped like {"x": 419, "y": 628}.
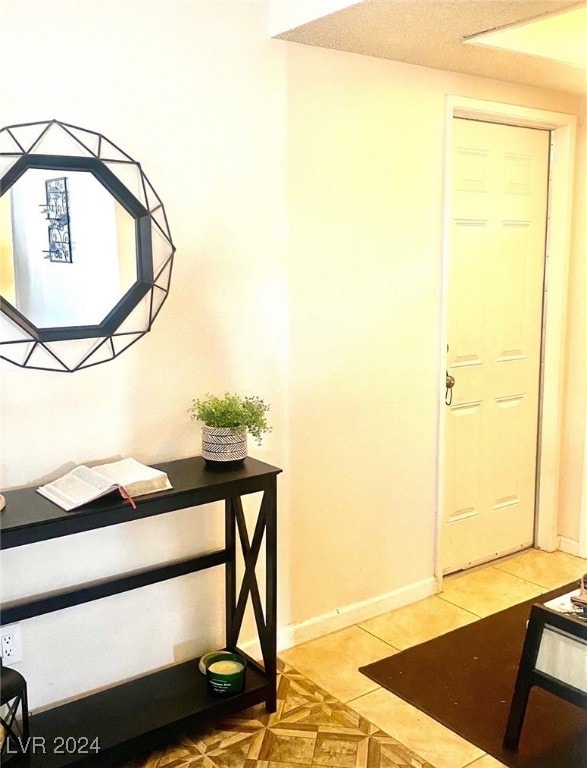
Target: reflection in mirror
{"x": 72, "y": 273}
{"x": 85, "y": 248}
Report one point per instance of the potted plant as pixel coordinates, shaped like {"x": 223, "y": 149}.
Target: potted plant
{"x": 226, "y": 422}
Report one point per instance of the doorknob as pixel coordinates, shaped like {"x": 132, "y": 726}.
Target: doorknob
{"x": 450, "y": 382}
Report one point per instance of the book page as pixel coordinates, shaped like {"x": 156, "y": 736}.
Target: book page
{"x": 77, "y": 487}
{"x": 136, "y": 478}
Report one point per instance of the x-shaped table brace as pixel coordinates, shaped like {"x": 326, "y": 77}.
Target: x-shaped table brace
{"x": 265, "y": 621}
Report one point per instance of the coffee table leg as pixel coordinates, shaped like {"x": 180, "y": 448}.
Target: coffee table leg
{"x": 524, "y": 680}
{"x": 517, "y": 711}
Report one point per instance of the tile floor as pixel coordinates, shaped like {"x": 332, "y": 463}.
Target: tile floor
{"x": 309, "y": 729}
{"x": 465, "y": 598}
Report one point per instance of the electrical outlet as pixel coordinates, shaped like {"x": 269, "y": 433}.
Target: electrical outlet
{"x": 10, "y": 643}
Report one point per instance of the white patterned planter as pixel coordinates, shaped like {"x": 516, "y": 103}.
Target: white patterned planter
{"x": 224, "y": 444}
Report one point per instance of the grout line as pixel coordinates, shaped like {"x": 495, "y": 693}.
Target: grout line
{"x": 485, "y": 754}
{"x": 381, "y": 639}
{"x": 526, "y": 581}
{"x": 367, "y": 693}
{"x": 534, "y": 583}
{"x": 456, "y": 605}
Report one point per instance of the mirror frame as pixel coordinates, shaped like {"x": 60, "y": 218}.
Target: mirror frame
{"x": 42, "y": 348}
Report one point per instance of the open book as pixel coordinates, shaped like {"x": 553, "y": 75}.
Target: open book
{"x": 84, "y": 484}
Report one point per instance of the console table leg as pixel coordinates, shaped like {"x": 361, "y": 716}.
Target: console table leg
{"x": 271, "y": 593}
{"x": 230, "y": 571}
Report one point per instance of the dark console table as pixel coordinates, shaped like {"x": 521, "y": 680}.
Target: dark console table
{"x": 128, "y": 713}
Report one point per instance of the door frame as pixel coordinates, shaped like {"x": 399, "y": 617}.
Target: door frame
{"x": 562, "y": 145}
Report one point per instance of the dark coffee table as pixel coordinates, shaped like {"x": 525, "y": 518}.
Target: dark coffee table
{"x": 554, "y": 657}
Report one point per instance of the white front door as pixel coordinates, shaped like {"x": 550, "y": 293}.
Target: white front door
{"x": 495, "y": 299}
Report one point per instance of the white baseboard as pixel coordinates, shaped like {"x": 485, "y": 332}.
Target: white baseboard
{"x": 341, "y": 618}
{"x": 570, "y": 546}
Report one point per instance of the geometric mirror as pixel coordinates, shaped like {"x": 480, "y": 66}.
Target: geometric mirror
{"x": 85, "y": 248}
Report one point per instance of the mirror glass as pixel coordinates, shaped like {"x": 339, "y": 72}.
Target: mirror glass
{"x": 68, "y": 248}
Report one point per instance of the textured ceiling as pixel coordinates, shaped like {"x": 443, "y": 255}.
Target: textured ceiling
{"x": 430, "y": 33}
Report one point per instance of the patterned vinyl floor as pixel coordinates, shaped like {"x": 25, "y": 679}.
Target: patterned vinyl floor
{"x": 310, "y": 729}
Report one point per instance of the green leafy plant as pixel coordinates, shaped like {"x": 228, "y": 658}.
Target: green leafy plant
{"x": 232, "y": 411}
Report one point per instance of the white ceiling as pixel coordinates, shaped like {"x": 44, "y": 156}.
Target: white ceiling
{"x": 432, "y": 33}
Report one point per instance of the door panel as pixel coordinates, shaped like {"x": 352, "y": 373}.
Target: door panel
{"x": 495, "y": 286}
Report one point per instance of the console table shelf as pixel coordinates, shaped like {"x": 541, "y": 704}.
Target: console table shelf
{"x": 129, "y": 711}
{"x": 135, "y": 709}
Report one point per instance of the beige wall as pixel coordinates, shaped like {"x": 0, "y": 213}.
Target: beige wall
{"x": 574, "y": 458}
{"x": 304, "y": 190}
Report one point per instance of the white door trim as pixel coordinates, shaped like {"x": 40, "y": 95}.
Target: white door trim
{"x": 582, "y": 548}
{"x": 563, "y": 129}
